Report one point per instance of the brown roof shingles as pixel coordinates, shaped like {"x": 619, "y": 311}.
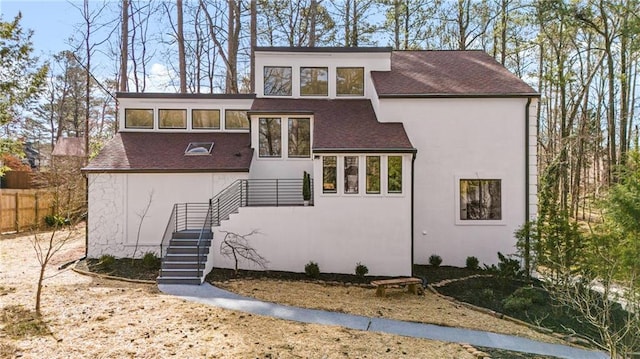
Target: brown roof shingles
{"x": 349, "y": 125}
{"x": 164, "y": 152}
{"x": 447, "y": 73}
{"x": 69, "y": 146}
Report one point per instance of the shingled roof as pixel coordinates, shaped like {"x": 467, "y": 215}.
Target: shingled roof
{"x": 164, "y": 152}
{"x": 342, "y": 125}
{"x": 448, "y": 74}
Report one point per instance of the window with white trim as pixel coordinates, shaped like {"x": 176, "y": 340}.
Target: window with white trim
{"x": 270, "y": 133}
{"x": 172, "y": 118}
{"x": 277, "y": 81}
{"x": 373, "y": 174}
{"x": 351, "y": 174}
{"x": 329, "y": 174}
{"x": 314, "y": 81}
{"x": 480, "y": 199}
{"x": 299, "y": 133}
{"x": 394, "y": 174}
{"x": 138, "y": 118}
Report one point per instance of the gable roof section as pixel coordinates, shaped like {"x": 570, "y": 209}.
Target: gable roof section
{"x": 341, "y": 125}
{"x": 448, "y": 74}
{"x": 164, "y": 152}
{"x": 69, "y": 146}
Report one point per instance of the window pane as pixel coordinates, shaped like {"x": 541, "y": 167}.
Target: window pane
{"x": 480, "y": 199}
{"x": 350, "y": 81}
{"x": 236, "y": 120}
{"x": 329, "y": 174}
{"x": 394, "y": 169}
{"x": 209, "y": 119}
{"x": 277, "y": 81}
{"x": 173, "y": 118}
{"x": 351, "y": 174}
{"x": 299, "y": 137}
{"x": 138, "y": 118}
{"x": 314, "y": 81}
{"x": 373, "y": 174}
{"x": 270, "y": 140}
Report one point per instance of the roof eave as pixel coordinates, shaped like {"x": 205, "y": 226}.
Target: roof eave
{"x": 462, "y": 95}
{"x": 162, "y": 170}
{"x": 275, "y": 112}
{"x": 365, "y": 150}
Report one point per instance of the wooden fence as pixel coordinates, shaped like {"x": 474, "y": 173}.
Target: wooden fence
{"x": 22, "y": 210}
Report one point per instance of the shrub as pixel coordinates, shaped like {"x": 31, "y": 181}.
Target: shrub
{"x": 516, "y": 304}
{"x": 312, "y": 269}
{"x": 435, "y": 260}
{"x": 507, "y": 267}
{"x": 107, "y": 261}
{"x": 361, "y": 270}
{"x": 472, "y": 263}
{"x": 487, "y": 294}
{"x": 534, "y": 294}
{"x": 150, "y": 261}
{"x": 55, "y": 220}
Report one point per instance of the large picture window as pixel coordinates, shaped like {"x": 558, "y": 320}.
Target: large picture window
{"x": 236, "y": 120}
{"x": 329, "y": 174}
{"x": 314, "y": 81}
{"x": 299, "y": 137}
{"x": 172, "y": 118}
{"x": 350, "y": 81}
{"x": 373, "y": 174}
{"x": 480, "y": 199}
{"x": 351, "y": 174}
{"x": 270, "y": 137}
{"x": 277, "y": 81}
{"x": 394, "y": 174}
{"x": 205, "y": 119}
{"x": 138, "y": 118}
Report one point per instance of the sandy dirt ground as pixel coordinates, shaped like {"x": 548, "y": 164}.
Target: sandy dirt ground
{"x": 86, "y": 317}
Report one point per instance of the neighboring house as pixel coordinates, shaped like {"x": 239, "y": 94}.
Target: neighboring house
{"x": 411, "y": 153}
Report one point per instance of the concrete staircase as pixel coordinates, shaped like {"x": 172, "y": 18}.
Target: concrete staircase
{"x": 184, "y": 262}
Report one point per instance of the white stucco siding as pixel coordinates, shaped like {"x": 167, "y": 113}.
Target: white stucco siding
{"x": 117, "y": 202}
{"x": 463, "y": 139}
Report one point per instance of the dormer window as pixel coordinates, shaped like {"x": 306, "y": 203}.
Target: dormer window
{"x": 173, "y": 118}
{"x": 314, "y": 81}
{"x": 138, "y": 118}
{"x": 350, "y": 81}
{"x": 199, "y": 148}
{"x": 277, "y": 81}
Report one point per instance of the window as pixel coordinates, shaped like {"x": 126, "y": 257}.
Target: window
{"x": 373, "y": 174}
{"x": 236, "y": 120}
{"x": 138, "y": 118}
{"x": 480, "y": 199}
{"x": 314, "y": 81}
{"x": 394, "y": 174}
{"x": 205, "y": 119}
{"x": 172, "y": 118}
{"x": 350, "y": 81}
{"x": 198, "y": 148}
{"x": 351, "y": 174}
{"x": 277, "y": 81}
{"x": 270, "y": 140}
{"x": 329, "y": 174}
{"x": 299, "y": 137}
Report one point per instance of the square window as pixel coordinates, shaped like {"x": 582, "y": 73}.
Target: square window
{"x": 329, "y": 174}
{"x": 351, "y": 174}
{"x": 394, "y": 174}
{"x": 314, "y": 81}
{"x": 138, "y": 118}
{"x": 236, "y": 120}
{"x": 299, "y": 137}
{"x": 480, "y": 199}
{"x": 205, "y": 119}
{"x": 373, "y": 174}
{"x": 172, "y": 118}
{"x": 350, "y": 81}
{"x": 277, "y": 81}
{"x": 270, "y": 137}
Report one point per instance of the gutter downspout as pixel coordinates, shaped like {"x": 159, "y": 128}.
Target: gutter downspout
{"x": 413, "y": 166}
{"x": 527, "y": 240}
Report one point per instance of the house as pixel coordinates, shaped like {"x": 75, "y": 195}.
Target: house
{"x": 411, "y": 153}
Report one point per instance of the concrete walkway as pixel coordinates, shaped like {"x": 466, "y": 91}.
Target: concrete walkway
{"x": 208, "y": 294}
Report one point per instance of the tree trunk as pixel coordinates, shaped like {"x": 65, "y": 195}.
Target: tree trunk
{"x": 124, "y": 46}
{"x": 312, "y": 22}
{"x": 181, "y": 51}
{"x": 254, "y": 43}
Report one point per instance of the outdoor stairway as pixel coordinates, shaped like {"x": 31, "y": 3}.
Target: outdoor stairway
{"x": 184, "y": 262}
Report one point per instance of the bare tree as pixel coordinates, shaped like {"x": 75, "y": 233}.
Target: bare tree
{"x": 142, "y": 214}
{"x": 124, "y": 45}
{"x": 181, "y": 51}
{"x": 237, "y": 247}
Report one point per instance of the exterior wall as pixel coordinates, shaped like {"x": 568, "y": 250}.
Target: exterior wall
{"x": 117, "y": 200}
{"x": 337, "y": 232}
{"x": 372, "y": 61}
{"x": 478, "y": 138}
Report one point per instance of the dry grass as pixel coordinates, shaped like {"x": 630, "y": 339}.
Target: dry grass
{"x": 95, "y": 318}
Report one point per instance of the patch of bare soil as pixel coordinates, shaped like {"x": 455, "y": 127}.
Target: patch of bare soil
{"x": 87, "y": 317}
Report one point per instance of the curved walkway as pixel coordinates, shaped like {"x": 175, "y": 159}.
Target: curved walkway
{"x": 211, "y": 295}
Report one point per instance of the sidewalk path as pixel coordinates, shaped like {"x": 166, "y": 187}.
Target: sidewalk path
{"x": 208, "y": 294}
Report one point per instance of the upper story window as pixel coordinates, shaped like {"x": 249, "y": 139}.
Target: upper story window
{"x": 299, "y": 143}
{"x": 138, "y": 118}
{"x": 270, "y": 137}
{"x": 172, "y": 118}
{"x": 277, "y": 81}
{"x": 205, "y": 119}
{"x": 350, "y": 81}
{"x": 236, "y": 120}
{"x": 480, "y": 199}
{"x": 314, "y": 81}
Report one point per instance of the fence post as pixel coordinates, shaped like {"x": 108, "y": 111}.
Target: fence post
{"x": 17, "y": 201}
{"x": 35, "y": 220}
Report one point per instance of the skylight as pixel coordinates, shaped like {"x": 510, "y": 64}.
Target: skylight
{"x": 199, "y": 148}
